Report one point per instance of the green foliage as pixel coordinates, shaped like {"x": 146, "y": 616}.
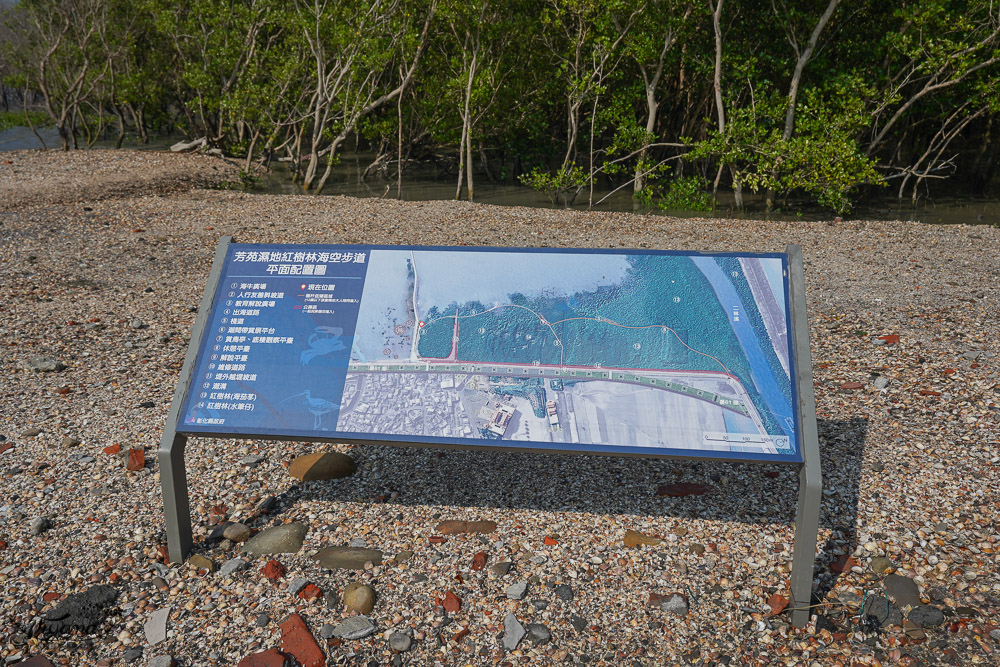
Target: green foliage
{"x": 560, "y": 186}
{"x": 687, "y": 193}
{"x": 9, "y": 119}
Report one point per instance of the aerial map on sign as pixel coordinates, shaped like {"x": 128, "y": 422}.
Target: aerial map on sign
{"x": 666, "y": 353}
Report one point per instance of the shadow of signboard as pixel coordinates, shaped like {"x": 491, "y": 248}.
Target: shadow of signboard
{"x": 459, "y": 480}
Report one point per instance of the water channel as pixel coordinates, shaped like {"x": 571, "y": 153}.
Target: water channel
{"x": 945, "y": 205}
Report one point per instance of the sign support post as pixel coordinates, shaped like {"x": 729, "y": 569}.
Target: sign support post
{"x": 810, "y": 473}
{"x": 173, "y": 475}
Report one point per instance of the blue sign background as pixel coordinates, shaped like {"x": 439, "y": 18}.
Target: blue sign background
{"x": 274, "y": 357}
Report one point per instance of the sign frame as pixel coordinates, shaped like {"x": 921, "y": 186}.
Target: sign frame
{"x": 173, "y": 474}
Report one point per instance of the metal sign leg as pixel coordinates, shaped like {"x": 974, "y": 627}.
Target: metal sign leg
{"x": 810, "y": 474}
{"x": 176, "y": 507}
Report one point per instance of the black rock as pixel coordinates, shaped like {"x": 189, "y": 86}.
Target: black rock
{"x": 926, "y": 616}
{"x": 263, "y": 620}
{"x": 538, "y": 634}
{"x": 886, "y": 613}
{"x": 824, "y": 623}
{"x": 132, "y": 655}
{"x": 147, "y": 404}
{"x": 579, "y": 624}
{"x": 564, "y": 592}
{"x": 82, "y": 611}
{"x": 539, "y": 605}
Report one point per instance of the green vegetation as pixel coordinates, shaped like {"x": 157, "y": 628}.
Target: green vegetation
{"x": 670, "y": 100}
{"x": 9, "y": 119}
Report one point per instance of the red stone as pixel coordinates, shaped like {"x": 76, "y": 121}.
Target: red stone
{"x": 270, "y": 658}
{"x": 438, "y": 539}
{"x": 112, "y": 450}
{"x": 929, "y": 392}
{"x": 890, "y": 339}
{"x": 274, "y": 570}
{"x": 452, "y": 603}
{"x": 5, "y": 446}
{"x": 162, "y": 553}
{"x": 772, "y": 474}
{"x": 948, "y": 371}
{"x": 136, "y": 459}
{"x": 310, "y": 592}
{"x": 550, "y": 541}
{"x": 297, "y": 641}
{"x": 777, "y": 603}
{"x": 479, "y": 561}
{"x": 50, "y": 596}
{"x": 852, "y": 385}
{"x": 3, "y": 544}
{"x": 35, "y": 661}
{"x": 843, "y": 564}
{"x": 460, "y": 635}
{"x": 682, "y": 489}
{"x": 62, "y": 391}
{"x": 655, "y": 600}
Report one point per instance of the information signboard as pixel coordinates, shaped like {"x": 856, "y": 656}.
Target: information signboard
{"x": 660, "y": 353}
{"x": 626, "y": 352}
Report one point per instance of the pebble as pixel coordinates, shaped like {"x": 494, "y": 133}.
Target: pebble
{"x": 162, "y": 661}
{"x": 347, "y": 558}
{"x": 236, "y": 532}
{"x": 539, "y": 634}
{"x": 156, "y": 626}
{"x": 564, "y": 592}
{"x": 517, "y": 591}
{"x": 232, "y": 566}
{"x": 675, "y": 604}
{"x": 40, "y": 524}
{"x": 355, "y": 627}
{"x": 401, "y": 642}
{"x": 514, "y": 632}
{"x": 284, "y": 539}
{"x": 902, "y": 590}
{"x": 358, "y": 597}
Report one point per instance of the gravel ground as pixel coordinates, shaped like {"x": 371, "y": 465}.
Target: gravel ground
{"x": 909, "y": 436}
{"x": 32, "y": 178}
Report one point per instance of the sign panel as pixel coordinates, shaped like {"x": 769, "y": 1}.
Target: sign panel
{"x": 641, "y": 352}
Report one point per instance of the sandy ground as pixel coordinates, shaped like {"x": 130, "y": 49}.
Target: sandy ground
{"x": 107, "y": 287}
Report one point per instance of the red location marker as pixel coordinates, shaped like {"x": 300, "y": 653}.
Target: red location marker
{"x": 302, "y": 286}
{"x": 421, "y": 323}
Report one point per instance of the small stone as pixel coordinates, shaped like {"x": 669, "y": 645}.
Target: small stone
{"x": 851, "y": 385}
{"x": 44, "y": 365}
{"x": 564, "y": 592}
{"x": 885, "y": 613}
{"x": 539, "y": 605}
{"x": 881, "y": 383}
{"x": 200, "y": 562}
{"x": 399, "y": 641}
{"x": 262, "y": 620}
{"x": 283, "y": 539}
{"x": 297, "y": 584}
{"x": 359, "y": 597}
{"x": 880, "y": 564}
{"x": 633, "y": 539}
{"x": 578, "y": 622}
{"x": 697, "y": 549}
{"x": 297, "y": 641}
{"x": 675, "y": 603}
{"x": 231, "y": 567}
{"x": 156, "y": 627}
{"x": 236, "y": 532}
{"x": 252, "y": 460}
{"x": 162, "y": 661}
{"x": 358, "y": 542}
{"x": 913, "y": 631}
{"x": 452, "y": 603}
{"x": 274, "y": 570}
{"x": 479, "y": 561}
{"x": 132, "y": 655}
{"x": 310, "y": 592}
{"x": 322, "y": 466}
{"x": 926, "y": 616}
{"x": 69, "y": 442}
{"x": 539, "y": 634}
{"x": 31, "y": 432}
{"x": 137, "y": 324}
{"x": 326, "y": 632}
{"x": 40, "y": 524}
{"x": 517, "y": 591}
{"x": 514, "y": 632}
{"x": 355, "y": 627}
{"x": 501, "y": 569}
{"x": 346, "y": 558}
{"x": 136, "y": 459}
{"x": 270, "y": 658}
{"x": 902, "y": 590}
{"x": 404, "y": 556}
